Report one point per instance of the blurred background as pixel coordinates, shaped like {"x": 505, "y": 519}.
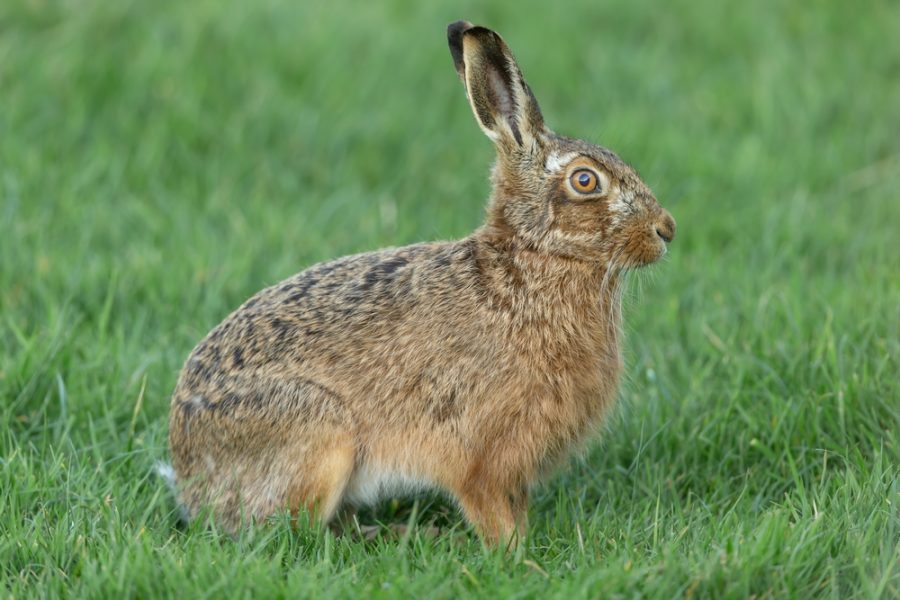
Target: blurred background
{"x": 162, "y": 161}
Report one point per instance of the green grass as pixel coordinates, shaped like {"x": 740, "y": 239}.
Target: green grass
{"x": 161, "y": 161}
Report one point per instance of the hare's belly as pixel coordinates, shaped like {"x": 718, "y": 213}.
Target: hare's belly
{"x": 371, "y": 483}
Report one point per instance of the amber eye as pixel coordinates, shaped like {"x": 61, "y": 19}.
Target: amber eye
{"x": 585, "y": 181}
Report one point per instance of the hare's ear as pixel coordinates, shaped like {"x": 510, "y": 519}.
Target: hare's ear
{"x": 502, "y": 102}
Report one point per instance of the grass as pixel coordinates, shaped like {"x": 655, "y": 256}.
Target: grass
{"x": 161, "y": 161}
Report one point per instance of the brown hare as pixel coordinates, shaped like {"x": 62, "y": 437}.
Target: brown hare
{"x": 472, "y": 367}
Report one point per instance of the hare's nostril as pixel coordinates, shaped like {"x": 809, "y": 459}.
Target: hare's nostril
{"x": 665, "y": 233}
{"x": 665, "y": 227}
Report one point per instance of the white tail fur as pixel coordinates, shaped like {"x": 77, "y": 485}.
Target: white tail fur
{"x": 166, "y": 471}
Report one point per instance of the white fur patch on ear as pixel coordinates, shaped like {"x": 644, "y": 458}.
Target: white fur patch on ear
{"x": 557, "y": 161}
{"x": 493, "y": 135}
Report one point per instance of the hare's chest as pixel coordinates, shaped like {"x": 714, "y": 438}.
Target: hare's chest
{"x": 581, "y": 382}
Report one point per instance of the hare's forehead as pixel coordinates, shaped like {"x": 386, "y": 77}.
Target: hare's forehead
{"x": 557, "y": 158}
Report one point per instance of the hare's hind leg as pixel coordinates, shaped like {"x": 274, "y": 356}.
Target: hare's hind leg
{"x": 246, "y": 445}
{"x": 321, "y": 475}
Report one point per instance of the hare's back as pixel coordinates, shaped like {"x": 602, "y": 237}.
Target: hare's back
{"x": 341, "y": 315}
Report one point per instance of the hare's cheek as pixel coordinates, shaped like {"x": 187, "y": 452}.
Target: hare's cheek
{"x": 572, "y": 217}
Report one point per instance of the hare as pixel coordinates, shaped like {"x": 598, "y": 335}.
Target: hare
{"x": 472, "y": 367}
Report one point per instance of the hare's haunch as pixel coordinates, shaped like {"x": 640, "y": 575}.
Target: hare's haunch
{"x": 472, "y": 367}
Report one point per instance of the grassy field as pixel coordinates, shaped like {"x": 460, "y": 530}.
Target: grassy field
{"x": 161, "y": 161}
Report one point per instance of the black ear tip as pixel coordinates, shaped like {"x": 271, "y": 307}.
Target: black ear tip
{"x": 455, "y": 30}
{"x": 455, "y": 33}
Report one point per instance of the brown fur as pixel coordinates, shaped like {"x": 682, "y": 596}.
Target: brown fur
{"x": 473, "y": 367}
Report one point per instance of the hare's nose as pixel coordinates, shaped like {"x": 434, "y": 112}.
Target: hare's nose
{"x": 665, "y": 227}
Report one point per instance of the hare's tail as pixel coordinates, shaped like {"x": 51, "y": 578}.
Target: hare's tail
{"x": 167, "y": 473}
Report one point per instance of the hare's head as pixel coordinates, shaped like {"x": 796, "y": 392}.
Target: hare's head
{"x": 555, "y": 194}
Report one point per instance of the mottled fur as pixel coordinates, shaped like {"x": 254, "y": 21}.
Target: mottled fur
{"x": 472, "y": 367}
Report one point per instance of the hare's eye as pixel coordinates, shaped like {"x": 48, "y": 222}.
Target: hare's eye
{"x": 585, "y": 181}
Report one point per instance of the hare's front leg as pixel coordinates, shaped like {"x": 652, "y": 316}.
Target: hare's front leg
{"x": 497, "y": 509}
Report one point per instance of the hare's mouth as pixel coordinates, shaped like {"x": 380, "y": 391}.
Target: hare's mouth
{"x": 656, "y": 250}
{"x": 635, "y": 255}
